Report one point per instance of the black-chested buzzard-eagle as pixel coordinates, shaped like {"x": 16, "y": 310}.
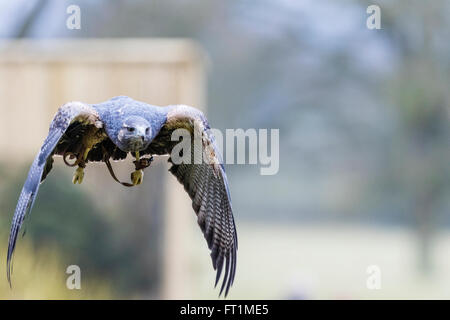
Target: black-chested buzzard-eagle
{"x": 83, "y": 133}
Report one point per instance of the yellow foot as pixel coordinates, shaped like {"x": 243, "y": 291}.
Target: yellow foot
{"x": 137, "y": 177}
{"x": 78, "y": 176}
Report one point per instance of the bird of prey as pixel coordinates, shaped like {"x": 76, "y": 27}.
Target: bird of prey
{"x": 83, "y": 133}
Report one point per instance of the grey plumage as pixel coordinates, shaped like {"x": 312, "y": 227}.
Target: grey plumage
{"x": 103, "y": 127}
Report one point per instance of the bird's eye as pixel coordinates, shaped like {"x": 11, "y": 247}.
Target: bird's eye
{"x": 147, "y": 131}
{"x": 130, "y": 129}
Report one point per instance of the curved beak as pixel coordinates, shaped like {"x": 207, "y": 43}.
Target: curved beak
{"x": 140, "y": 132}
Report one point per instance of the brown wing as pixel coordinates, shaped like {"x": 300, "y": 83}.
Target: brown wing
{"x": 207, "y": 185}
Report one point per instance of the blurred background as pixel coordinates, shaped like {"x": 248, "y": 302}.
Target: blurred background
{"x": 364, "y": 173}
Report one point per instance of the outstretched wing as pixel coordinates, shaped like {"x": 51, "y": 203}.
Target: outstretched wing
{"x": 205, "y": 181}
{"x": 67, "y": 114}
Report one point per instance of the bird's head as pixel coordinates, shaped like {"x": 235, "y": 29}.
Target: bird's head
{"x": 135, "y": 134}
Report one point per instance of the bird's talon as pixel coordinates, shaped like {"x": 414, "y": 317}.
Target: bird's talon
{"x": 137, "y": 177}
{"x": 78, "y": 176}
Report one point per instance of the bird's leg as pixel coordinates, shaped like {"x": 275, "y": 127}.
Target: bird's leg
{"x": 138, "y": 175}
{"x": 79, "y": 173}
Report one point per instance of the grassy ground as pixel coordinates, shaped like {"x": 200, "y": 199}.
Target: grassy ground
{"x": 274, "y": 262}
{"x": 39, "y": 274}
{"x": 327, "y": 262}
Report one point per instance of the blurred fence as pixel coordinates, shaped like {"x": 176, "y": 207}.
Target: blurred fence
{"x": 36, "y": 77}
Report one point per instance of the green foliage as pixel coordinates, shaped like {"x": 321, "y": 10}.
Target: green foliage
{"x": 69, "y": 220}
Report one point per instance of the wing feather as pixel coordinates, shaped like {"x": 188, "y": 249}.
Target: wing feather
{"x": 68, "y": 113}
{"x": 206, "y": 184}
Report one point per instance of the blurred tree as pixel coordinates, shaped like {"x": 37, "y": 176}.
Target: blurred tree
{"x": 419, "y": 92}
{"x": 26, "y": 24}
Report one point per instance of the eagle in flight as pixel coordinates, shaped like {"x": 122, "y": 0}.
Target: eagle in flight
{"x": 83, "y": 133}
